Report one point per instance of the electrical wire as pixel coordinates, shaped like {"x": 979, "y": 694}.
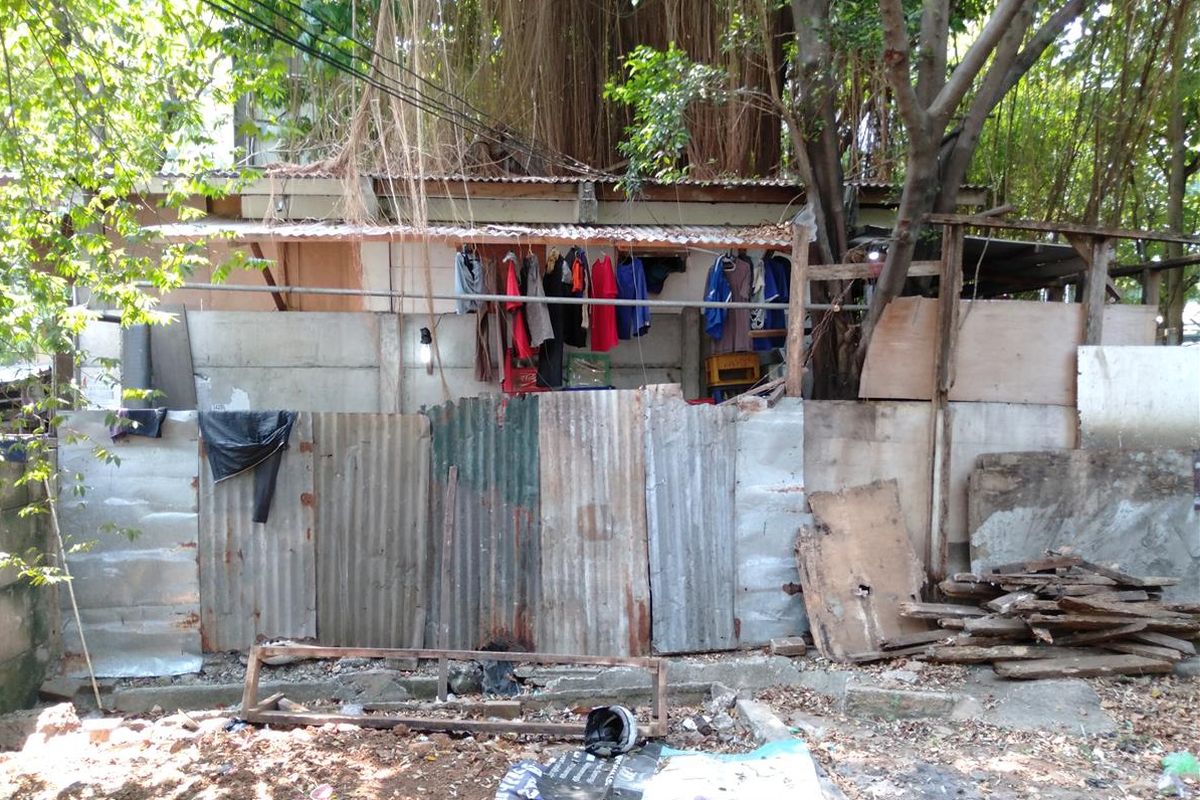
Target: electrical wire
{"x": 409, "y": 95}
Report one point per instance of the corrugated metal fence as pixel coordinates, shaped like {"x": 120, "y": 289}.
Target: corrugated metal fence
{"x": 603, "y": 522}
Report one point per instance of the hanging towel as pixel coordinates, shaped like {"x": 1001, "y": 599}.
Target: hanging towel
{"x": 138, "y": 422}
{"x": 237, "y": 441}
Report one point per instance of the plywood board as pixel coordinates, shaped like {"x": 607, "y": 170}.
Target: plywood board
{"x": 1139, "y": 398}
{"x": 857, "y": 566}
{"x": 849, "y": 443}
{"x": 1008, "y": 350}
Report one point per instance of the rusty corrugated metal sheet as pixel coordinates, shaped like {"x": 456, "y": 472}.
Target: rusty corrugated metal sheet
{"x": 371, "y": 473}
{"x": 259, "y": 579}
{"x": 682, "y": 235}
{"x": 690, "y": 476}
{"x": 138, "y": 595}
{"x": 495, "y": 570}
{"x": 595, "y": 572}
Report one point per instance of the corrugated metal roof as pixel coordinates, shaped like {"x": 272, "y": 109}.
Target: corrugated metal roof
{"x": 595, "y": 582}
{"x": 690, "y": 459}
{"x": 289, "y": 173}
{"x": 496, "y": 564}
{"x": 259, "y": 579}
{"x": 698, "y": 235}
{"x": 770, "y": 508}
{"x": 371, "y": 473}
{"x": 139, "y": 597}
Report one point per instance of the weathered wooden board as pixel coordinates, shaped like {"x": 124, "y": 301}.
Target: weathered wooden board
{"x": 940, "y": 610}
{"x": 1145, "y": 650}
{"x": 1082, "y": 667}
{"x": 1165, "y": 640}
{"x": 966, "y": 654}
{"x": 856, "y": 566}
{"x": 1008, "y": 350}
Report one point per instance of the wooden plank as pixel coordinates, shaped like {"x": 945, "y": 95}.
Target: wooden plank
{"x": 1122, "y": 596}
{"x": 1096, "y": 622}
{"x": 1125, "y": 579}
{"x": 899, "y": 363}
{"x": 1005, "y": 603}
{"x": 914, "y": 639}
{"x": 448, "y": 517}
{"x": 250, "y": 687}
{"x": 952, "y": 623}
{"x": 1089, "y": 605}
{"x": 868, "y": 270}
{"x": 794, "y": 345}
{"x": 1105, "y": 635}
{"x": 964, "y": 654}
{"x": 1163, "y": 640}
{"x": 939, "y": 610}
{"x": 1145, "y": 650}
{"x": 997, "y": 626}
{"x": 1082, "y": 667}
{"x": 856, "y": 567}
{"x": 979, "y": 221}
{"x": 982, "y": 591}
{"x": 1036, "y": 565}
{"x": 1035, "y": 579}
{"x": 319, "y": 651}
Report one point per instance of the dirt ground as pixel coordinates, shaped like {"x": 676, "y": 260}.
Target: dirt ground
{"x": 152, "y": 758}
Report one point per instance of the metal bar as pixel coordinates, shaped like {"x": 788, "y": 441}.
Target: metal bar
{"x": 495, "y": 298}
{"x": 977, "y": 221}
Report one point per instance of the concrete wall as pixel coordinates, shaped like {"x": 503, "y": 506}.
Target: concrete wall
{"x": 1139, "y": 397}
{"x": 28, "y": 622}
{"x": 364, "y": 362}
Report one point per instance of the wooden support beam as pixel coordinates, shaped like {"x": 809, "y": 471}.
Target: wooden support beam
{"x": 794, "y": 385}
{"x": 1064, "y": 228}
{"x": 448, "y": 516}
{"x": 280, "y": 303}
{"x": 868, "y": 270}
{"x": 949, "y": 292}
{"x": 1095, "y": 289}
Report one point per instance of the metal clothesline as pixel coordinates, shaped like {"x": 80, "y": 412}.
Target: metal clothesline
{"x": 498, "y": 298}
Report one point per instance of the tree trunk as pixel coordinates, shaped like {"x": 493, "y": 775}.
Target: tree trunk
{"x": 1174, "y": 286}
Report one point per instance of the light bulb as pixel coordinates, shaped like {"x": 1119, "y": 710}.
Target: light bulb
{"x": 874, "y": 255}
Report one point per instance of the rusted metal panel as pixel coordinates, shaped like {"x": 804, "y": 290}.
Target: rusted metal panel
{"x": 139, "y": 593}
{"x": 770, "y": 505}
{"x": 595, "y": 571}
{"x": 259, "y": 579}
{"x": 495, "y": 566}
{"x": 371, "y": 473}
{"x": 690, "y": 461}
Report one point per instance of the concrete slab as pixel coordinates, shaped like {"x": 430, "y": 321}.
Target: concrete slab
{"x": 762, "y": 722}
{"x": 1063, "y": 706}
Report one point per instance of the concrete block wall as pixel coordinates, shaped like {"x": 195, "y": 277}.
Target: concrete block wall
{"x": 28, "y": 621}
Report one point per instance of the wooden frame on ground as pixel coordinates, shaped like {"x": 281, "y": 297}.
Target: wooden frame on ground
{"x": 254, "y": 710}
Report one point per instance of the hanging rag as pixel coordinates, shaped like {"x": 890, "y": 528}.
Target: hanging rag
{"x": 574, "y": 330}
{"x": 735, "y": 333}
{"x": 138, "y": 422}
{"x": 716, "y": 290}
{"x": 237, "y": 441}
{"x": 536, "y": 314}
{"x": 516, "y": 309}
{"x": 550, "y": 354}
{"x": 487, "y": 328}
{"x": 468, "y": 279}
{"x": 631, "y": 285}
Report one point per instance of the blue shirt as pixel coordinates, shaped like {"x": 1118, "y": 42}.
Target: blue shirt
{"x": 777, "y": 278}
{"x": 716, "y": 290}
{"x": 631, "y": 285}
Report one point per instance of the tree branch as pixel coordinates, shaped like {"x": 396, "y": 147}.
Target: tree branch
{"x": 931, "y": 50}
{"x": 896, "y": 64}
{"x": 968, "y": 69}
{"x": 1044, "y": 37}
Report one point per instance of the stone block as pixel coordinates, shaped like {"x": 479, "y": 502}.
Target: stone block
{"x": 893, "y": 704}
{"x": 788, "y": 646}
{"x": 762, "y": 722}
{"x": 60, "y": 688}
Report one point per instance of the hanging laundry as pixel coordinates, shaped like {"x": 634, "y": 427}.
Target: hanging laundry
{"x": 758, "y": 316}
{"x": 237, "y": 441}
{"x": 716, "y": 290}
{"x": 735, "y": 330}
{"x": 468, "y": 279}
{"x": 631, "y": 285}
{"x": 536, "y": 314}
{"x": 574, "y": 332}
{"x": 555, "y": 283}
{"x": 581, "y": 283}
{"x": 777, "y": 276}
{"x": 516, "y": 309}
{"x": 604, "y": 318}
{"x": 138, "y": 422}
{"x": 487, "y": 327}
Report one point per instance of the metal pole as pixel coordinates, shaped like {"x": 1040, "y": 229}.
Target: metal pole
{"x": 492, "y": 298}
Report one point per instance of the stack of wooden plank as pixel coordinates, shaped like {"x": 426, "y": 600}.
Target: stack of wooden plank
{"x": 1054, "y": 617}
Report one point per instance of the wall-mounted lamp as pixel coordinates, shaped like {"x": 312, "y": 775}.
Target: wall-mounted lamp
{"x": 874, "y": 255}
{"x": 425, "y": 350}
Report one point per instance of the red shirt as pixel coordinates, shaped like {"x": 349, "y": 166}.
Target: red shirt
{"x": 520, "y": 331}
{"x": 604, "y": 318}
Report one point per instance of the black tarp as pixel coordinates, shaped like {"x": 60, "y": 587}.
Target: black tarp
{"x": 237, "y": 441}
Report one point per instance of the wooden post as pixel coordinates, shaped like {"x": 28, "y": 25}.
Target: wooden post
{"x": 794, "y": 351}
{"x": 448, "y": 516}
{"x": 949, "y": 297}
{"x": 280, "y": 303}
{"x": 1097, "y": 284}
{"x": 250, "y": 689}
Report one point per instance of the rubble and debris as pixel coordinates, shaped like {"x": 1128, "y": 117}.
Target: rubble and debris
{"x": 1059, "y": 616}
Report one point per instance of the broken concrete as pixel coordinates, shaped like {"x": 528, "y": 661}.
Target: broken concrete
{"x": 1066, "y": 706}
{"x": 762, "y": 721}
{"x": 892, "y": 704}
